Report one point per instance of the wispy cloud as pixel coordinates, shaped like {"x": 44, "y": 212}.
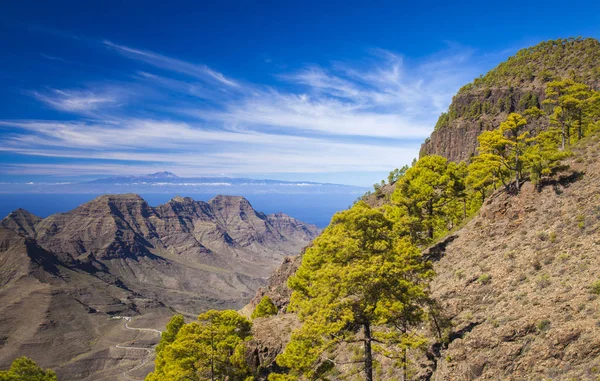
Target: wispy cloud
{"x": 179, "y": 145}
{"x": 53, "y": 58}
{"x": 77, "y": 101}
{"x": 368, "y": 115}
{"x": 172, "y": 64}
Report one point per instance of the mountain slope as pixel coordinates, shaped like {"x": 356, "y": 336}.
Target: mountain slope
{"x": 513, "y": 86}
{"x": 515, "y": 283}
{"x": 535, "y": 317}
{"x": 64, "y": 276}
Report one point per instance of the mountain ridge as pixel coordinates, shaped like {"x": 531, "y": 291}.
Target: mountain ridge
{"x": 118, "y": 256}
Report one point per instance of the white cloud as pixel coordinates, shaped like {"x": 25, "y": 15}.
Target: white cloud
{"x": 344, "y": 117}
{"x": 184, "y": 148}
{"x": 76, "y": 101}
{"x": 173, "y": 64}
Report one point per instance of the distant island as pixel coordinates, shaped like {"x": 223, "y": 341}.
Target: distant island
{"x": 167, "y": 182}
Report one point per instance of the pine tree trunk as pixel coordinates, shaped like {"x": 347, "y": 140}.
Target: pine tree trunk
{"x": 404, "y": 365}
{"x": 517, "y": 172}
{"x": 212, "y": 356}
{"x": 430, "y": 227}
{"x": 368, "y": 354}
{"x": 404, "y": 359}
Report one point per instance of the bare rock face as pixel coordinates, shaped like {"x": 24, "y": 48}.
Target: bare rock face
{"x": 64, "y": 276}
{"x": 22, "y": 222}
{"x": 292, "y": 228}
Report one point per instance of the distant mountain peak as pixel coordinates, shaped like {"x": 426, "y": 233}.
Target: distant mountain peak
{"x": 180, "y": 199}
{"x": 116, "y": 197}
{"x": 162, "y": 175}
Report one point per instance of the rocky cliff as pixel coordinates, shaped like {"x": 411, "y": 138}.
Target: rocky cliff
{"x": 65, "y": 276}
{"x": 513, "y": 86}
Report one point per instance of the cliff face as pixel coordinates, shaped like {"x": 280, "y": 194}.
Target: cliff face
{"x": 64, "y": 276}
{"x": 513, "y": 86}
{"x": 457, "y": 140}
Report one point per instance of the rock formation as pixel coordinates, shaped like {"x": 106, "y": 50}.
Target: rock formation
{"x": 65, "y": 276}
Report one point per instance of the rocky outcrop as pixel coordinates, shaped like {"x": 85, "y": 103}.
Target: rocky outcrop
{"x": 63, "y": 277}
{"x": 457, "y": 141}
{"x": 292, "y": 228}
{"x": 513, "y": 86}
{"x": 277, "y": 288}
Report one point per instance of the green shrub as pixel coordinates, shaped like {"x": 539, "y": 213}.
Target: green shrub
{"x": 543, "y": 236}
{"x": 543, "y": 281}
{"x": 459, "y": 274}
{"x": 595, "y": 288}
{"x": 484, "y": 278}
{"x": 265, "y": 308}
{"x": 543, "y": 325}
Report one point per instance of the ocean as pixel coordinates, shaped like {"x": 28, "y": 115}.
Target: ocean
{"x": 312, "y": 208}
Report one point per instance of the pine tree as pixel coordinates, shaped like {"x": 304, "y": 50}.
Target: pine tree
{"x": 516, "y": 144}
{"x": 574, "y": 108}
{"x": 544, "y": 156}
{"x": 502, "y": 150}
{"x": 213, "y": 348}
{"x": 456, "y": 208}
{"x": 359, "y": 284}
{"x": 25, "y": 369}
{"x": 555, "y": 90}
{"x": 265, "y": 308}
{"x": 423, "y": 193}
{"x": 397, "y": 174}
{"x": 485, "y": 171}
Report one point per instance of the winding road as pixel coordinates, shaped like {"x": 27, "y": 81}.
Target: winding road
{"x": 148, "y": 350}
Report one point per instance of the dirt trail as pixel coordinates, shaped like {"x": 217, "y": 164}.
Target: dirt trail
{"x": 149, "y": 351}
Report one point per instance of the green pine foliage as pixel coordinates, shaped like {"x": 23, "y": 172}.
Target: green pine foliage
{"x": 212, "y": 348}
{"x": 573, "y": 107}
{"x": 508, "y": 155}
{"x": 422, "y": 197}
{"x": 265, "y": 308}
{"x": 362, "y": 284}
{"x": 169, "y": 335}
{"x": 25, "y": 369}
{"x": 397, "y": 174}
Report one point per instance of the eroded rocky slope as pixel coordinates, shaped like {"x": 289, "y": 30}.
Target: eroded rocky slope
{"x": 65, "y": 276}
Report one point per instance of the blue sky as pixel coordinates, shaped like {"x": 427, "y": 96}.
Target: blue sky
{"x": 326, "y": 91}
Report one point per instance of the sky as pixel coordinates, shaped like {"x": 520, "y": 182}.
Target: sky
{"x": 327, "y": 91}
